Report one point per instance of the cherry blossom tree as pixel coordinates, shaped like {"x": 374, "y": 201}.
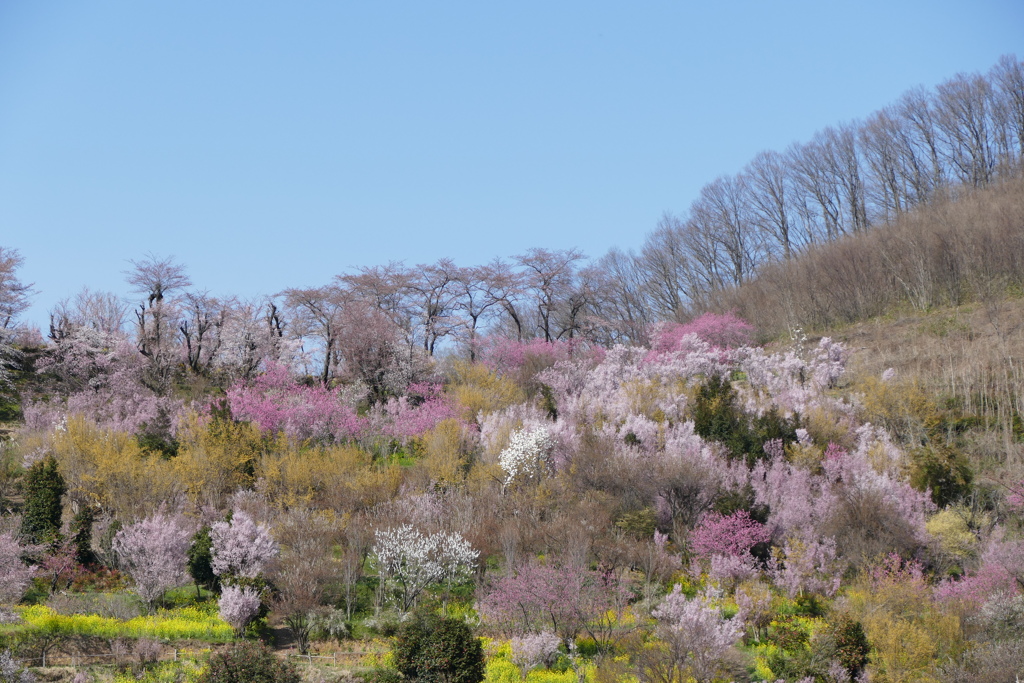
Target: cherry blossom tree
{"x": 239, "y": 605}
{"x": 810, "y": 568}
{"x": 534, "y": 649}
{"x": 14, "y": 573}
{"x": 694, "y": 637}
{"x": 155, "y": 553}
{"x": 565, "y": 598}
{"x": 241, "y": 548}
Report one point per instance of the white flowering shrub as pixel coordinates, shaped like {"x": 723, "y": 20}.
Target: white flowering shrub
{"x": 535, "y": 649}
{"x": 409, "y": 561}
{"x": 526, "y": 455}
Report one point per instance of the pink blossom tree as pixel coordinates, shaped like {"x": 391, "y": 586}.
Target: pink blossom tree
{"x": 155, "y": 553}
{"x": 723, "y": 331}
{"x": 241, "y": 548}
{"x": 14, "y": 573}
{"x": 239, "y": 605}
{"x": 694, "y": 637}
{"x": 420, "y": 410}
{"x": 564, "y": 598}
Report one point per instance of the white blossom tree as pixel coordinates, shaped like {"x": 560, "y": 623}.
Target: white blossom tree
{"x": 409, "y": 561}
{"x": 526, "y": 455}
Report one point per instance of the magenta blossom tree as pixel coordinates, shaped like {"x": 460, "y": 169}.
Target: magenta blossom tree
{"x": 732, "y": 535}
{"x": 275, "y": 402}
{"x": 155, "y": 552}
{"x": 721, "y": 331}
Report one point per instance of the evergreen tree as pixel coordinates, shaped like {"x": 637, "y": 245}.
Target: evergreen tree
{"x": 200, "y": 561}
{"x": 81, "y": 535}
{"x": 44, "y": 488}
{"x": 437, "y": 649}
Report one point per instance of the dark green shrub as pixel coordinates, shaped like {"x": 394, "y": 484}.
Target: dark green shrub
{"x": 200, "y": 561}
{"x": 248, "y": 662}
{"x": 44, "y": 488}
{"x": 942, "y": 472}
{"x": 381, "y": 676}
{"x": 851, "y": 644}
{"x": 718, "y": 417}
{"x": 81, "y": 536}
{"x": 436, "y": 649}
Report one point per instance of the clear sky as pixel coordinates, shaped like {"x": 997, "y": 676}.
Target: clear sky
{"x": 275, "y": 144}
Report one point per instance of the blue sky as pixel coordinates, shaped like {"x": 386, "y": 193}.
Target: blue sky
{"x": 268, "y": 145}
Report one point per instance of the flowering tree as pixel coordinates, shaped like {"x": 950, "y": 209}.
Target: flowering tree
{"x": 565, "y": 598}
{"x": 526, "y": 455}
{"x": 733, "y": 535}
{"x": 409, "y": 561}
{"x": 534, "y": 649}
{"x": 810, "y": 567}
{"x": 14, "y": 574}
{"x": 239, "y": 605}
{"x": 154, "y": 552}
{"x": 277, "y": 403}
{"x": 12, "y": 672}
{"x": 722, "y": 331}
{"x": 241, "y": 547}
{"x": 694, "y": 637}
{"x": 418, "y": 412}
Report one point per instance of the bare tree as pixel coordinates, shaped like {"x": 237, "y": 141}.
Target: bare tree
{"x": 769, "y": 181}
{"x": 14, "y": 294}
{"x": 201, "y": 326}
{"x": 549, "y": 276}
{"x": 507, "y": 287}
{"x": 666, "y": 266}
{"x": 617, "y": 307}
{"x": 722, "y": 212}
{"x": 812, "y": 172}
{"x": 436, "y": 289}
{"x": 156, "y": 279}
{"x": 474, "y": 300}
{"x": 1007, "y": 78}
{"x": 844, "y": 159}
{"x": 922, "y": 146}
{"x": 963, "y": 104}
{"x": 315, "y": 313}
{"x": 881, "y": 140}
